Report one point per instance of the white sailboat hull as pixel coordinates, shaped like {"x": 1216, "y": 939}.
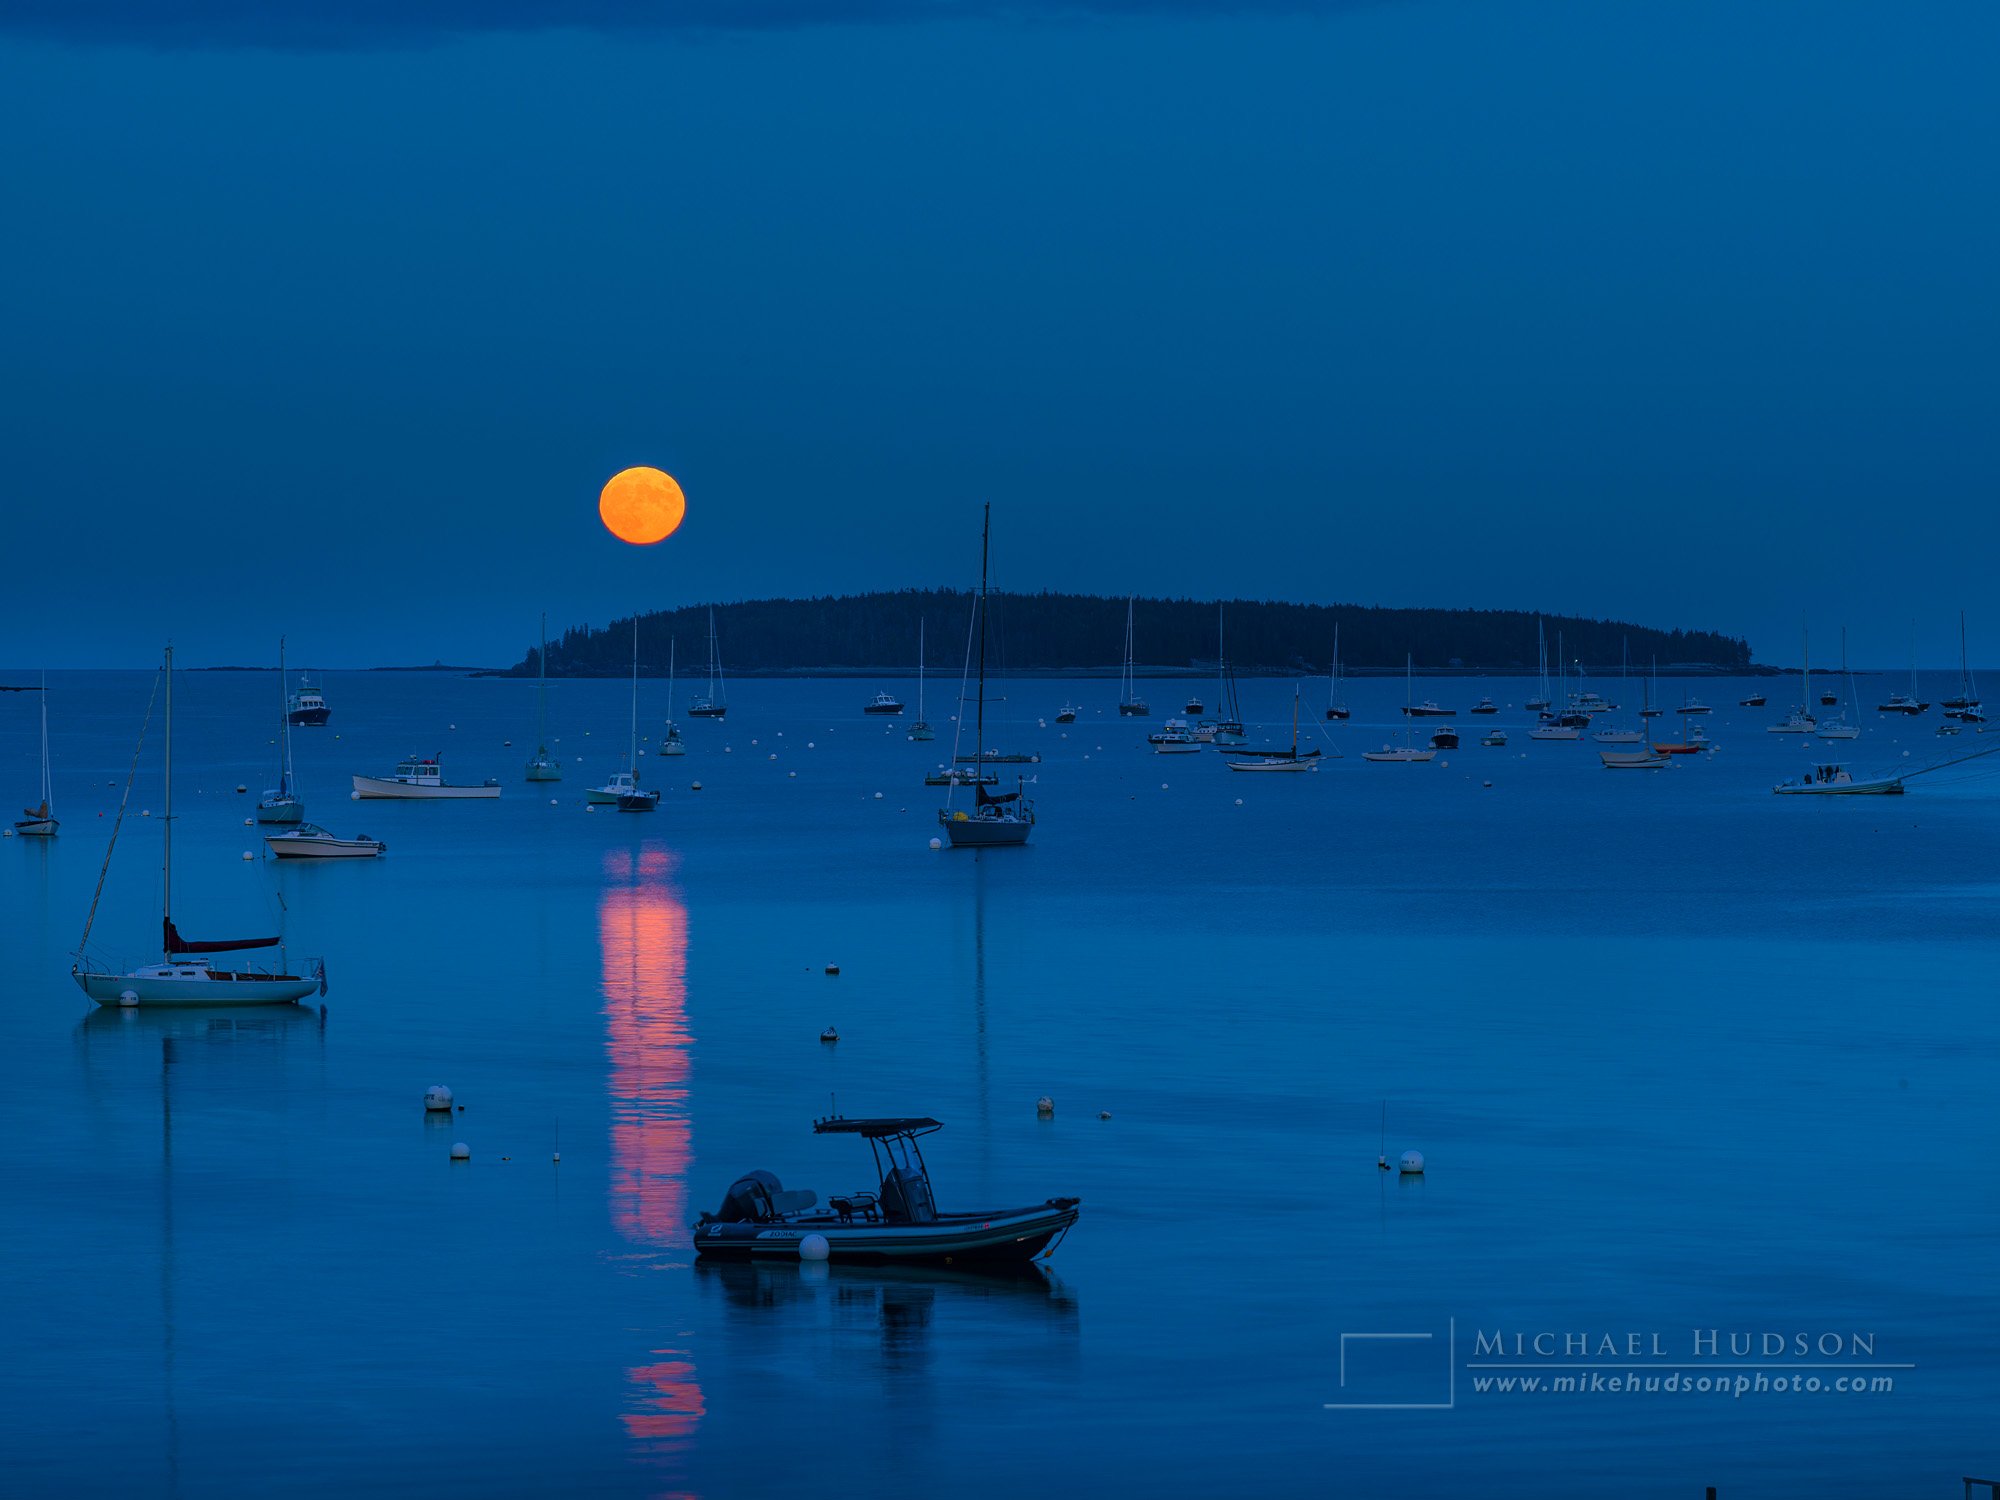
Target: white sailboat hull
{"x": 387, "y": 788}
{"x": 1274, "y": 765}
{"x": 204, "y": 987}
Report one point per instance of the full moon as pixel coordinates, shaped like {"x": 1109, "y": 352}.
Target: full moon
{"x": 641, "y": 506}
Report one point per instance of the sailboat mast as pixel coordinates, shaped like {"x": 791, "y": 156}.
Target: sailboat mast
{"x": 672, "y": 642}
{"x": 632, "y": 753}
{"x": 47, "y": 790}
{"x": 920, "y": 669}
{"x": 167, "y": 858}
{"x": 284, "y": 723}
{"x": 542, "y": 686}
{"x": 985, "y": 541}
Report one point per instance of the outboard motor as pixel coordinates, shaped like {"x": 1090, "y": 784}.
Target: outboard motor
{"x": 906, "y": 1196}
{"x": 749, "y": 1199}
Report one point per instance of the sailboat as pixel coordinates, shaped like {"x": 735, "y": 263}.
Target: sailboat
{"x": 1800, "y": 719}
{"x": 997, "y": 818}
{"x": 673, "y": 744}
{"x": 624, "y": 789}
{"x": 921, "y": 730}
{"x": 1624, "y": 736}
{"x": 282, "y": 803}
{"x": 543, "y": 766}
{"x": 184, "y": 976}
{"x": 1837, "y": 728}
{"x": 715, "y": 703}
{"x": 1966, "y": 705}
{"x": 1130, "y": 704}
{"x": 1540, "y": 702}
{"x": 1281, "y": 760}
{"x": 1906, "y": 703}
{"x": 1336, "y": 700}
{"x": 1649, "y": 709}
{"x": 1557, "y": 726}
{"x": 1227, "y": 727}
{"x": 1405, "y": 753}
{"x": 40, "y": 822}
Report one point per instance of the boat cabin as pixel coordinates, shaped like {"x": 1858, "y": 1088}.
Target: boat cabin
{"x": 420, "y": 771}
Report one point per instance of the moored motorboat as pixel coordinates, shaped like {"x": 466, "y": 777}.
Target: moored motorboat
{"x": 1444, "y": 739}
{"x": 1494, "y": 737}
{"x": 1067, "y": 714}
{"x": 883, "y": 703}
{"x": 1484, "y": 706}
{"x": 307, "y": 707}
{"x": 1399, "y": 755}
{"x": 310, "y": 841}
{"x": 1833, "y": 780}
{"x": 898, "y": 1220}
{"x": 421, "y": 778}
{"x": 1632, "y": 760}
{"x": 1755, "y": 700}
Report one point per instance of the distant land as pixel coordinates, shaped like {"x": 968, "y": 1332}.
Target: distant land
{"x": 1084, "y": 635}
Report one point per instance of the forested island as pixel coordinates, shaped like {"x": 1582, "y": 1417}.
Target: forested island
{"x": 1084, "y": 634}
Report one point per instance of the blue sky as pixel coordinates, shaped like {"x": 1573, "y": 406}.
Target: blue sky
{"x": 1683, "y": 314}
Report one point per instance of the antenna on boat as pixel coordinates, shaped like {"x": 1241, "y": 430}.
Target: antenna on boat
{"x": 1382, "y": 1160}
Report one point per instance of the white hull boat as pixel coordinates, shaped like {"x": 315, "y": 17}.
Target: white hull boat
{"x": 419, "y": 779}
{"x": 310, "y": 841}
{"x": 1837, "y": 781}
{"x": 1398, "y": 755}
{"x": 192, "y": 982}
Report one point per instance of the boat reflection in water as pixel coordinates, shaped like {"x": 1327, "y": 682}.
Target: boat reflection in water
{"x": 894, "y": 1307}
{"x": 642, "y": 938}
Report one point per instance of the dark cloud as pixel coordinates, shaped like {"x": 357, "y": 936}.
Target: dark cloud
{"x": 368, "y": 24}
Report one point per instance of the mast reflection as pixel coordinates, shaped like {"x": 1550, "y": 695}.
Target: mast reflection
{"x": 642, "y": 935}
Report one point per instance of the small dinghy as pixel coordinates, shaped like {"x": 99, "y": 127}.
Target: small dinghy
{"x": 898, "y": 1221}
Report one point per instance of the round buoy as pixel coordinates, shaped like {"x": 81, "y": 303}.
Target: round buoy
{"x": 1239, "y": 801}
{"x": 1045, "y": 1105}
{"x": 437, "y": 1099}
{"x": 1163, "y": 786}
{"x": 1412, "y": 1164}
{"x": 696, "y": 787}
{"x": 1104, "y": 1114}
{"x": 792, "y": 775}
{"x": 829, "y": 1035}
{"x": 753, "y": 742}
{"x": 354, "y": 796}
{"x": 460, "y": 1151}
{"x": 553, "y": 802}
{"x": 1486, "y": 783}
{"x": 128, "y": 998}
{"x": 8, "y": 833}
{"x": 589, "y": 807}
{"x": 814, "y": 1247}
{"x": 878, "y": 796}
{"x": 249, "y": 822}
{"x": 810, "y": 745}
{"x": 248, "y": 855}
{"x": 937, "y": 843}
{"x": 147, "y": 812}
{"x": 241, "y": 788}
{"x": 728, "y": 749}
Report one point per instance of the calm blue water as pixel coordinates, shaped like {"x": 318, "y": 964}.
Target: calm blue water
{"x": 1680, "y": 1054}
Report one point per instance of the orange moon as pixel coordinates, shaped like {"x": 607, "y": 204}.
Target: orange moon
{"x": 641, "y": 506}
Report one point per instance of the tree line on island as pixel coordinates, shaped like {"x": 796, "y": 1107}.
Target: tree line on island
{"x": 1085, "y": 633}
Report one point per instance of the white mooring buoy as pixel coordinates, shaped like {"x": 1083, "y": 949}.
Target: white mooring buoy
{"x": 248, "y": 855}
{"x": 937, "y": 843}
{"x": 437, "y": 1099}
{"x": 1412, "y": 1164}
{"x": 460, "y": 1151}
{"x": 813, "y": 1247}
{"x": 128, "y": 998}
